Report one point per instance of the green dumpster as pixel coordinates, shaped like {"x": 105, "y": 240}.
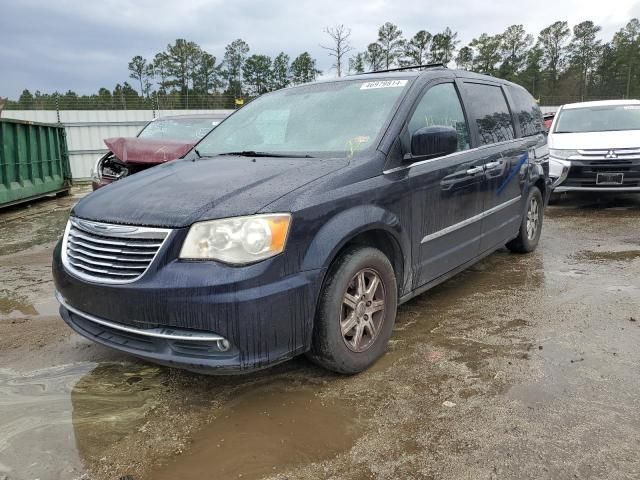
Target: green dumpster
{"x": 33, "y": 161}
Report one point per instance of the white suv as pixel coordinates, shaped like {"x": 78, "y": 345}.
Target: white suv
{"x": 595, "y": 146}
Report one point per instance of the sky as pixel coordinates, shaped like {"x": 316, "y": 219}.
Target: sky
{"x": 84, "y": 45}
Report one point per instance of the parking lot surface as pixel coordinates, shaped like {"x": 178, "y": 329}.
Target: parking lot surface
{"x": 524, "y": 366}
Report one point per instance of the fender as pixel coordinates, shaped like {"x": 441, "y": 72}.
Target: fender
{"x": 346, "y": 225}
{"x": 538, "y": 173}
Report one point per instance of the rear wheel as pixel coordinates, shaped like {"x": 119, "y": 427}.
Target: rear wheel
{"x": 356, "y": 312}
{"x": 531, "y": 226}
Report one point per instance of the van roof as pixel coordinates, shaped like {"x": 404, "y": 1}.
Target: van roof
{"x": 427, "y": 72}
{"x": 600, "y": 103}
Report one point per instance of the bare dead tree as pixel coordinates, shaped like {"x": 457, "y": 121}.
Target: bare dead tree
{"x": 341, "y": 46}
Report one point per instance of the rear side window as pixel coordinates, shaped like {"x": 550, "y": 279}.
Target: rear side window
{"x": 527, "y": 112}
{"x": 440, "y": 106}
{"x": 491, "y": 113}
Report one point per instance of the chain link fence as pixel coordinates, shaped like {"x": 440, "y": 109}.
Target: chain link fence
{"x": 129, "y": 102}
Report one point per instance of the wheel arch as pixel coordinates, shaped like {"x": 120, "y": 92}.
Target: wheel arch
{"x": 367, "y": 225}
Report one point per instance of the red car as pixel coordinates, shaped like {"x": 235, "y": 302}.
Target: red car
{"x": 547, "y": 118}
{"x": 161, "y": 140}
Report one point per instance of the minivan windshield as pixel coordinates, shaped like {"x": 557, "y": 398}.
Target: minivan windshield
{"x": 598, "y": 119}
{"x": 334, "y": 119}
{"x": 178, "y": 128}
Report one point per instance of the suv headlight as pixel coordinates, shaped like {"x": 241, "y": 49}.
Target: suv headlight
{"x": 238, "y": 240}
{"x": 561, "y": 154}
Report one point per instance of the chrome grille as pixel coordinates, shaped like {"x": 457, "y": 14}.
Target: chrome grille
{"x": 108, "y": 253}
{"x": 587, "y": 164}
{"x": 619, "y": 154}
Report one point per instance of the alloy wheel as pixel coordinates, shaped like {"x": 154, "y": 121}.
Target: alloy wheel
{"x": 533, "y": 218}
{"x": 363, "y": 310}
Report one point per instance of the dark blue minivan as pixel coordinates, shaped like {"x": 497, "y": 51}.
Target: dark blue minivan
{"x": 301, "y": 222}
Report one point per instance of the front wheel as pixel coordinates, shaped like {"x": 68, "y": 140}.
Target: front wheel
{"x": 356, "y": 312}
{"x": 531, "y": 226}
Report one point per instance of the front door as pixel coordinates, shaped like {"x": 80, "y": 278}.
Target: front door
{"x": 446, "y": 192}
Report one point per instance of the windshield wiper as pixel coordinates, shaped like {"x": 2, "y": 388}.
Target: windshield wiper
{"x": 251, "y": 153}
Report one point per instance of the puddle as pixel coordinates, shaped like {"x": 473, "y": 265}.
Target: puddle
{"x": 92, "y": 420}
{"x": 47, "y": 307}
{"x": 265, "y": 431}
{"x": 112, "y": 402}
{"x": 16, "y": 306}
{"x": 603, "y": 257}
{"x": 52, "y": 420}
{"x": 21, "y": 234}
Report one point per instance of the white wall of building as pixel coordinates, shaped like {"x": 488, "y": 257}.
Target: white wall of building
{"x": 87, "y": 129}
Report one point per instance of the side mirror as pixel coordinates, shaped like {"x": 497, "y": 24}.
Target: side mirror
{"x": 434, "y": 141}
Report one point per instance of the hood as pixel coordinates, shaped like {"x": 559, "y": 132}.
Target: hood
{"x": 179, "y": 193}
{"x": 595, "y": 140}
{"x": 150, "y": 151}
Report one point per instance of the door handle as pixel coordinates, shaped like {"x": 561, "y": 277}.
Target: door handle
{"x": 492, "y": 165}
{"x": 474, "y": 170}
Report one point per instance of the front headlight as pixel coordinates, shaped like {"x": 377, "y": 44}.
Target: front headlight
{"x": 238, "y": 240}
{"x": 562, "y": 154}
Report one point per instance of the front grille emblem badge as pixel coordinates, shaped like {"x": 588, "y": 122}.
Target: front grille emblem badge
{"x": 102, "y": 228}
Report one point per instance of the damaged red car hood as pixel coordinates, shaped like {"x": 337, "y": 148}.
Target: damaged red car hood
{"x": 147, "y": 150}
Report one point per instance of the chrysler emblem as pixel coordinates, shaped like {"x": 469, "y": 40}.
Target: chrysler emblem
{"x": 101, "y": 228}
{"x": 611, "y": 154}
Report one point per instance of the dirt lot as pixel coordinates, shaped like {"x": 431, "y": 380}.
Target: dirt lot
{"x": 522, "y": 367}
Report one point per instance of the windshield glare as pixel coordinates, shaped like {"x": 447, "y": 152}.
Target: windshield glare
{"x": 599, "y": 119}
{"x": 178, "y": 129}
{"x": 334, "y": 119}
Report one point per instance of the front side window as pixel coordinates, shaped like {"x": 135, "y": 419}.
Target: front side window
{"x": 440, "y": 106}
{"x": 601, "y": 118}
{"x": 492, "y": 115}
{"x": 336, "y": 119}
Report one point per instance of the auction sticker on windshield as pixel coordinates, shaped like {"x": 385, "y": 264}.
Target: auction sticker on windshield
{"x": 383, "y": 84}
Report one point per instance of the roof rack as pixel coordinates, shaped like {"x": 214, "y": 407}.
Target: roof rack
{"x": 409, "y": 67}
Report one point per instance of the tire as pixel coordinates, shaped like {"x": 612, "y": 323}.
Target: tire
{"x": 339, "y": 307}
{"x": 529, "y": 234}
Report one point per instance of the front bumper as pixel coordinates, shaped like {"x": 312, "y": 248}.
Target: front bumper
{"x": 621, "y": 189}
{"x": 188, "y": 349}
{"x": 264, "y": 314}
{"x": 581, "y": 175}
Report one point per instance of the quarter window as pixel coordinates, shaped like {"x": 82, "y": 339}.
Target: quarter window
{"x": 527, "y": 111}
{"x": 440, "y": 106}
{"x": 492, "y": 115}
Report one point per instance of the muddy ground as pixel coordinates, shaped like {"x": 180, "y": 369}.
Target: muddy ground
{"x": 522, "y": 367}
